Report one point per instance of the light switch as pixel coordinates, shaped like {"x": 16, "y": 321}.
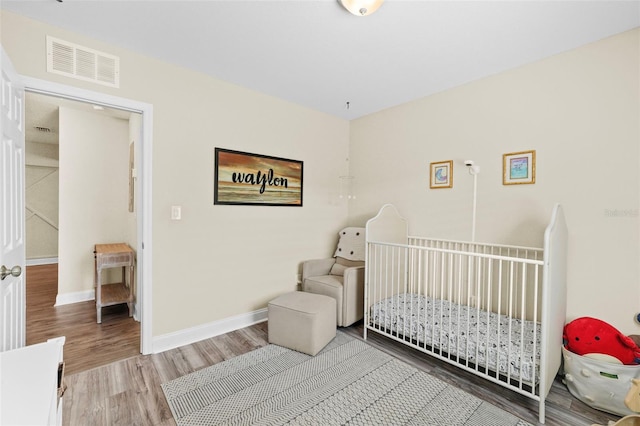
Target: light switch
{"x": 176, "y": 212}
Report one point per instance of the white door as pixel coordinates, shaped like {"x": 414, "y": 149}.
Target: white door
{"x": 12, "y": 250}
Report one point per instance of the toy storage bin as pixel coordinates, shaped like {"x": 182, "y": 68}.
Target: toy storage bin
{"x": 599, "y": 384}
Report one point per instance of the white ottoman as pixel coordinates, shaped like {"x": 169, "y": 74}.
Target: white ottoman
{"x": 304, "y": 322}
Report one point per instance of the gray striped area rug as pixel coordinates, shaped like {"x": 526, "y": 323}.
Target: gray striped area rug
{"x": 348, "y": 382}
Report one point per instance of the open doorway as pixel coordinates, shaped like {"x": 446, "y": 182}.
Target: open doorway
{"x": 143, "y": 194}
{"x": 79, "y": 191}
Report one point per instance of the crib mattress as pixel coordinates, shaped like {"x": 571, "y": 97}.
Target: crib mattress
{"x": 496, "y": 342}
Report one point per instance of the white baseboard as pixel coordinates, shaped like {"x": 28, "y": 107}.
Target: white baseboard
{"x": 195, "y": 334}
{"x": 42, "y": 261}
{"x": 78, "y": 296}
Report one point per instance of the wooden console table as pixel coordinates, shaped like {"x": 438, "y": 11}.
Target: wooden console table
{"x": 114, "y": 256}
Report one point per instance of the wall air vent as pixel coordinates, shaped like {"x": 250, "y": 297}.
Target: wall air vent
{"x": 82, "y": 63}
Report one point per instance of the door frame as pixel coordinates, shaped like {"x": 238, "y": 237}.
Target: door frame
{"x": 144, "y": 207}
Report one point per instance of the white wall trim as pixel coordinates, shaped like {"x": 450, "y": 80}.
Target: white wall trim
{"x": 144, "y": 253}
{"x": 195, "y": 334}
{"x": 75, "y": 297}
{"x": 42, "y": 261}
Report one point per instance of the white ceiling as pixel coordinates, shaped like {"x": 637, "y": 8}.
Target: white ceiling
{"x": 316, "y": 54}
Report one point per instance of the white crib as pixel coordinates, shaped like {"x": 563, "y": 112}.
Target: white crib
{"x": 494, "y": 310}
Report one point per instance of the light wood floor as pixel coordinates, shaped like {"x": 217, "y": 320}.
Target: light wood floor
{"x": 88, "y": 344}
{"x": 128, "y": 392}
{"x": 110, "y": 383}
{"x": 562, "y": 409}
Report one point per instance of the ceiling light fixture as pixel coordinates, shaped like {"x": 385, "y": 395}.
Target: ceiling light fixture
{"x": 361, "y": 7}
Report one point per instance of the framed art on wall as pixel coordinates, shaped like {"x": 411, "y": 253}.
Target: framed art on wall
{"x": 441, "y": 175}
{"x": 242, "y": 178}
{"x": 519, "y": 168}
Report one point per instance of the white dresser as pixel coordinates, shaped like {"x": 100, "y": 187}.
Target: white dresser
{"x": 29, "y": 381}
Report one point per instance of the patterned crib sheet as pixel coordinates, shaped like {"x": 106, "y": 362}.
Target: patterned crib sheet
{"x": 496, "y": 342}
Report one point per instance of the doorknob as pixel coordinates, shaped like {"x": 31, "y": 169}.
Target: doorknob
{"x": 5, "y": 272}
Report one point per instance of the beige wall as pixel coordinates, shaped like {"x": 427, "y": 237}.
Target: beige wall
{"x": 41, "y": 198}
{"x": 94, "y": 188}
{"x": 135, "y": 132}
{"x": 580, "y": 111}
{"x": 218, "y": 261}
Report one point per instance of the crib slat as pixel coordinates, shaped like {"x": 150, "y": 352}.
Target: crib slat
{"x": 427, "y": 292}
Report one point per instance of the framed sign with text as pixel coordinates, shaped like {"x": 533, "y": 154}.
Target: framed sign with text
{"x": 242, "y": 178}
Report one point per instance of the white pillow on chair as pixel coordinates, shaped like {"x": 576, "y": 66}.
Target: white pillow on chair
{"x": 351, "y": 244}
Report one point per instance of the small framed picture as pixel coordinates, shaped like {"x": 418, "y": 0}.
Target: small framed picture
{"x": 441, "y": 175}
{"x": 519, "y": 168}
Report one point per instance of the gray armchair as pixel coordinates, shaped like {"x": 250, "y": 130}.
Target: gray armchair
{"x": 340, "y": 277}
